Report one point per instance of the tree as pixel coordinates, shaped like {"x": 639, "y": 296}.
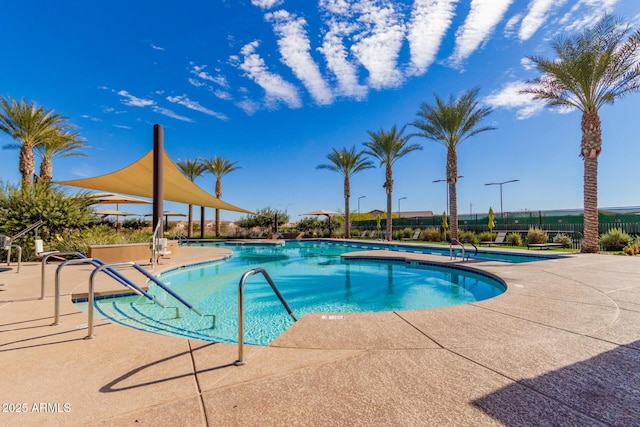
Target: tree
{"x": 593, "y": 68}
{"x": 61, "y": 143}
{"x": 192, "y": 169}
{"x": 388, "y": 147}
{"x": 347, "y": 162}
{"x": 219, "y": 167}
{"x": 449, "y": 124}
{"x": 30, "y": 125}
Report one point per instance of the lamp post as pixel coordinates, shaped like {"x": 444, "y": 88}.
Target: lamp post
{"x": 444, "y": 180}
{"x": 501, "y": 184}
{"x": 401, "y": 198}
{"x": 361, "y": 197}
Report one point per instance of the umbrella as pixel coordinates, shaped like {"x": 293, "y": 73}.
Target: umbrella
{"x": 320, "y": 212}
{"x": 113, "y": 212}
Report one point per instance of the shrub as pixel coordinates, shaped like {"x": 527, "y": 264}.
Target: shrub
{"x": 536, "y": 236}
{"x": 468, "y": 235}
{"x": 632, "y": 249}
{"x": 514, "y": 239}
{"x": 432, "y": 234}
{"x": 566, "y": 241}
{"x": 356, "y": 233}
{"x": 614, "y": 240}
{"x": 406, "y": 233}
{"x": 487, "y": 236}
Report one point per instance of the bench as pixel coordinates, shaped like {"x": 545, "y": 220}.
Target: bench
{"x": 544, "y": 245}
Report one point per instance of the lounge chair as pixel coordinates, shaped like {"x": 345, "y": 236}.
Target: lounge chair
{"x": 415, "y": 236}
{"x": 500, "y": 239}
{"x": 365, "y": 233}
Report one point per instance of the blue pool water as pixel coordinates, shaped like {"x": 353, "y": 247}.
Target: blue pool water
{"x": 311, "y": 276}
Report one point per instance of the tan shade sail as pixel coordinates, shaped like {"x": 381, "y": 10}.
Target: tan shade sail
{"x": 137, "y": 180}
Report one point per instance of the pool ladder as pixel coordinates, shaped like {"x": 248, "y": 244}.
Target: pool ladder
{"x": 461, "y": 244}
{"x": 241, "y": 360}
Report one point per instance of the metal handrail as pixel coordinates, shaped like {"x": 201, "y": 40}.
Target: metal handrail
{"x": 472, "y": 244}
{"x": 96, "y": 262}
{"x": 457, "y": 242}
{"x": 153, "y": 243}
{"x": 8, "y": 249}
{"x": 241, "y": 360}
{"x": 36, "y": 224}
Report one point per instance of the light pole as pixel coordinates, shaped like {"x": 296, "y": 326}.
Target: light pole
{"x": 361, "y": 197}
{"x": 444, "y": 180}
{"x": 401, "y": 198}
{"x": 501, "y": 184}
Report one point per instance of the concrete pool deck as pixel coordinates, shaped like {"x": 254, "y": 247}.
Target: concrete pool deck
{"x": 560, "y": 347}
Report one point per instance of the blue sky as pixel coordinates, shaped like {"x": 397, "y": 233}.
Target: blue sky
{"x": 274, "y": 84}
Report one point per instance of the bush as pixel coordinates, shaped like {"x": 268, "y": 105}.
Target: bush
{"x": 536, "y": 236}
{"x": 356, "y": 233}
{"x": 432, "y": 234}
{"x": 487, "y": 236}
{"x": 468, "y": 235}
{"x": 514, "y": 239}
{"x": 406, "y": 233}
{"x": 615, "y": 240}
{"x": 632, "y": 249}
{"x": 566, "y": 241}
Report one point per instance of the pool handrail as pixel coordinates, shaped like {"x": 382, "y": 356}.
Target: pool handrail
{"x": 241, "y": 360}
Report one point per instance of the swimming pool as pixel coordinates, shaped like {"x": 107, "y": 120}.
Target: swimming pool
{"x": 312, "y": 277}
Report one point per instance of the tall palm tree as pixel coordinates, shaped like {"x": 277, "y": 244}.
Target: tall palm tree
{"x": 192, "y": 169}
{"x": 593, "y": 68}
{"x": 347, "y": 162}
{"x": 219, "y": 167}
{"x": 389, "y": 146}
{"x": 451, "y": 123}
{"x": 30, "y": 125}
{"x": 61, "y": 143}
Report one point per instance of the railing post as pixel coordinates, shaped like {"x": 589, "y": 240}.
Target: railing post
{"x": 91, "y": 296}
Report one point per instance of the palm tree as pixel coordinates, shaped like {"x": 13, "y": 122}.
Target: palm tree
{"x": 593, "y": 68}
{"x": 192, "y": 169}
{"x": 30, "y": 125}
{"x": 449, "y": 124}
{"x": 219, "y": 167}
{"x": 347, "y": 162}
{"x": 389, "y": 146}
{"x": 59, "y": 144}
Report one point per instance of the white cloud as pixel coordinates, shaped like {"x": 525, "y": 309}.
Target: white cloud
{"x": 198, "y": 70}
{"x": 133, "y": 101}
{"x": 511, "y": 98}
{"x": 511, "y": 24}
{"x": 122, "y": 127}
{"x": 266, "y": 4}
{"x": 169, "y": 113}
{"x": 196, "y": 83}
{"x": 153, "y": 46}
{"x": 336, "y": 55}
{"x": 248, "y": 106}
{"x": 294, "y": 46}
{"x": 430, "y": 20}
{"x": 597, "y": 7}
{"x": 377, "y": 47}
{"x": 222, "y": 94}
{"x": 537, "y": 15}
{"x": 194, "y": 105}
{"x": 480, "y": 22}
{"x": 336, "y": 7}
{"x": 276, "y": 88}
{"x": 527, "y": 64}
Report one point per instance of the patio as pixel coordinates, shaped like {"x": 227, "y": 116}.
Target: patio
{"x": 560, "y": 347}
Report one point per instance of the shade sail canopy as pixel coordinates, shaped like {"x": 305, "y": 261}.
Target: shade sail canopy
{"x": 137, "y": 180}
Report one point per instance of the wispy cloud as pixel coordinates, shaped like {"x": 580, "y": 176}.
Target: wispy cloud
{"x": 134, "y": 101}
{"x": 266, "y": 4}
{"x": 595, "y": 8}
{"x": 194, "y": 105}
{"x": 377, "y": 47}
{"x": 430, "y": 20}
{"x": 153, "y": 46}
{"x": 248, "y": 106}
{"x": 294, "y": 47}
{"x": 536, "y": 16}
{"x": 338, "y": 63}
{"x": 276, "y": 88}
{"x": 478, "y": 25}
{"x": 169, "y": 113}
{"x": 511, "y": 98}
{"x": 122, "y": 127}
{"x": 199, "y": 71}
